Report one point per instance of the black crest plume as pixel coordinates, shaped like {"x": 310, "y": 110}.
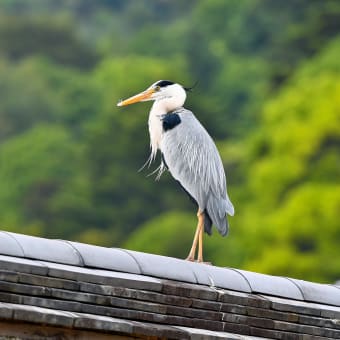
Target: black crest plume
{"x": 189, "y": 89}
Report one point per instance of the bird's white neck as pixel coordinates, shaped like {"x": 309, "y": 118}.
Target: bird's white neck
{"x": 155, "y": 127}
{"x": 169, "y": 99}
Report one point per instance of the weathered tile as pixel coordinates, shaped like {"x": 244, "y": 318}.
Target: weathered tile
{"x": 47, "y": 250}
{"x": 11, "y": 298}
{"x": 244, "y": 299}
{"x": 272, "y": 285}
{"x": 159, "y": 331}
{"x": 104, "y": 277}
{"x": 273, "y": 334}
{"x": 95, "y": 288}
{"x": 106, "y": 258}
{"x": 319, "y": 322}
{"x": 330, "y": 333}
{"x": 330, "y": 312}
{"x": 124, "y": 313}
{"x": 22, "y": 265}
{"x": 168, "y": 299}
{"x": 9, "y": 246}
{"x": 217, "y": 277}
{"x": 106, "y": 311}
{"x": 236, "y": 328}
{"x": 204, "y": 334}
{"x": 311, "y": 337}
{"x": 102, "y": 323}
{"x": 189, "y": 290}
{"x": 50, "y": 303}
{"x": 75, "y": 273}
{"x": 272, "y": 314}
{"x": 39, "y": 280}
{"x": 164, "y": 267}
{"x": 235, "y": 318}
{"x": 311, "y": 330}
{"x": 307, "y": 308}
{"x": 185, "y": 294}
{"x": 299, "y": 307}
{"x": 204, "y": 304}
{"x": 138, "y": 305}
{"x": 9, "y": 276}
{"x": 6, "y": 312}
{"x": 80, "y": 297}
{"x": 42, "y": 316}
{"x": 234, "y": 297}
{"x": 24, "y": 289}
{"x": 193, "y": 313}
{"x": 260, "y": 322}
{"x": 151, "y": 296}
{"x": 208, "y": 324}
{"x": 317, "y": 292}
{"x": 233, "y": 308}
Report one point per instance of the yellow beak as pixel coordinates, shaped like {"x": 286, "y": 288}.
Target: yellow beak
{"x": 145, "y": 95}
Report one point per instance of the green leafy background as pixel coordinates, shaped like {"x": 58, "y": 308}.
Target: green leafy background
{"x": 268, "y": 92}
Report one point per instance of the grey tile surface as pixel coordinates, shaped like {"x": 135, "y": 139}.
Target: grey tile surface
{"x": 164, "y": 267}
{"x": 305, "y": 308}
{"x": 47, "y": 250}
{"x": 116, "y": 290}
{"x": 320, "y": 293}
{"x": 9, "y": 246}
{"x": 43, "y": 316}
{"x": 9, "y": 276}
{"x": 38, "y": 280}
{"x": 106, "y": 258}
{"x": 219, "y": 277}
{"x": 199, "y": 334}
{"x": 160, "y": 331}
{"x": 272, "y": 285}
{"x": 189, "y": 290}
{"x": 239, "y": 298}
{"x": 22, "y": 265}
{"x": 104, "y": 277}
{"x": 84, "y": 321}
{"x": 6, "y": 312}
{"x": 104, "y": 323}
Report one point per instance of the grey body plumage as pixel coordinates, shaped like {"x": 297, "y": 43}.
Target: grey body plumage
{"x": 192, "y": 158}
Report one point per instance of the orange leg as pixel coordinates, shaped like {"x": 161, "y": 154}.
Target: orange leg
{"x": 197, "y": 238}
{"x": 200, "y": 240}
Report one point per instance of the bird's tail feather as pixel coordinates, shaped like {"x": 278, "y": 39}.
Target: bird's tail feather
{"x": 217, "y": 212}
{"x": 207, "y": 223}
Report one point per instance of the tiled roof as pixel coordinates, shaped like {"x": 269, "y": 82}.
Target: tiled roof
{"x": 76, "y": 287}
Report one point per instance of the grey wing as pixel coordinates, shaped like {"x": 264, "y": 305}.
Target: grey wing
{"x": 193, "y": 160}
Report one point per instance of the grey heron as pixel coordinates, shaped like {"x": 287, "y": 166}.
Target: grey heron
{"x": 190, "y": 155}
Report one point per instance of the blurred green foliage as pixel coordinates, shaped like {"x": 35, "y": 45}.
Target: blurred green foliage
{"x": 268, "y": 92}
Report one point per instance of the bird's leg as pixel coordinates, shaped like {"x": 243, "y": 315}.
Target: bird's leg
{"x": 191, "y": 256}
{"x": 200, "y": 237}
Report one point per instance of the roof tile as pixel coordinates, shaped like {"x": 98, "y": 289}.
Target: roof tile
{"x": 106, "y": 258}
{"x": 9, "y": 245}
{"x": 317, "y": 292}
{"x": 48, "y": 250}
{"x": 164, "y": 267}
{"x": 272, "y": 285}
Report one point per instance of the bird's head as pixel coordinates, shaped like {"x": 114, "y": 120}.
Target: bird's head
{"x": 165, "y": 93}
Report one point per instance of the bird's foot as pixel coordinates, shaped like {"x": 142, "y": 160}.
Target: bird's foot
{"x": 208, "y": 263}
{"x": 190, "y": 258}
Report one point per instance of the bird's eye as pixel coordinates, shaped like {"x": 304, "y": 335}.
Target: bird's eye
{"x": 157, "y": 88}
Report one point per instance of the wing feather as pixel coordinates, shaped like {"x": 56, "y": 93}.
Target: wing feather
{"x": 193, "y": 160}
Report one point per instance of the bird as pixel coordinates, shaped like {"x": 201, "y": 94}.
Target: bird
{"x": 190, "y": 155}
